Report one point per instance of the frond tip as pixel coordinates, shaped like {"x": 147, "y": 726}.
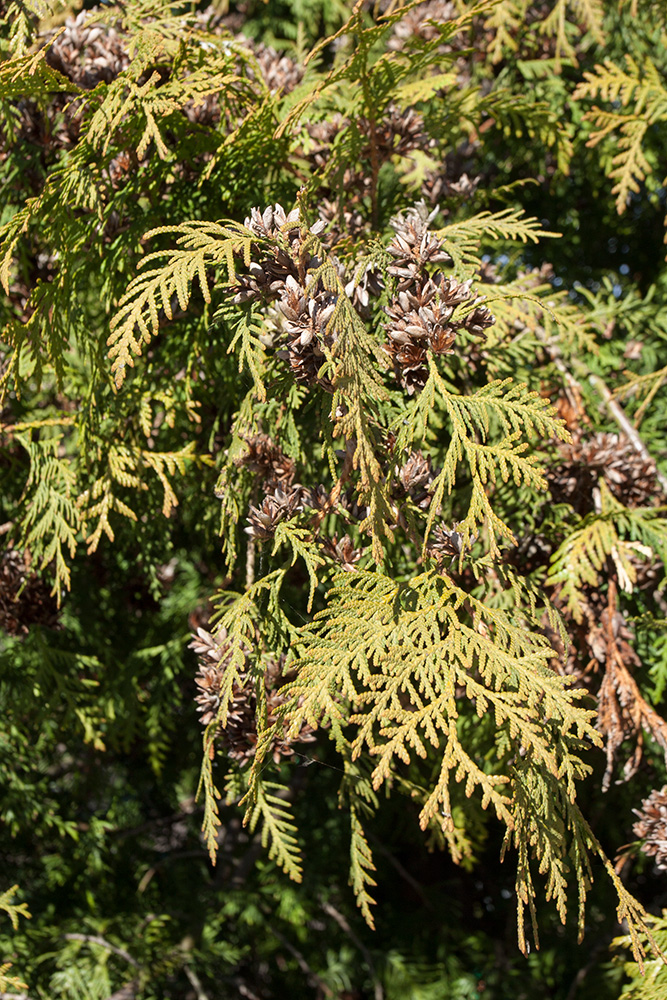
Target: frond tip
{"x": 270, "y": 810}
{"x": 153, "y": 295}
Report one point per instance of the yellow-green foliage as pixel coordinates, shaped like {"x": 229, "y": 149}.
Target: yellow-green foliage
{"x": 638, "y": 96}
{"x": 14, "y": 911}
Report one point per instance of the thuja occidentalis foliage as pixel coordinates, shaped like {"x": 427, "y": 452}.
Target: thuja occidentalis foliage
{"x": 289, "y": 306}
{"x": 392, "y": 661}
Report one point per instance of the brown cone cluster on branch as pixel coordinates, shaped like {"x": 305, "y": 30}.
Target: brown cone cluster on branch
{"x": 305, "y": 309}
{"x": 280, "y": 73}
{"x": 345, "y": 205}
{"x": 268, "y": 460}
{"x": 239, "y": 736}
{"x": 285, "y": 257}
{"x": 395, "y": 134}
{"x": 88, "y": 53}
{"x": 277, "y": 506}
{"x": 422, "y": 22}
{"x": 414, "y": 479}
{"x": 445, "y": 544}
{"x": 630, "y": 476}
{"x": 448, "y": 183}
{"x": 307, "y": 323}
{"x": 424, "y": 315}
{"x": 25, "y": 599}
{"x": 343, "y": 551}
{"x": 414, "y": 246}
{"x": 284, "y": 498}
{"x": 651, "y": 827}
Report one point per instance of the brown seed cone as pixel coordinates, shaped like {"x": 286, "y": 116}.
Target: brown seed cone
{"x": 479, "y": 320}
{"x": 214, "y": 653}
{"x": 306, "y": 323}
{"x": 410, "y": 365}
{"x": 281, "y": 504}
{"x": 418, "y": 314}
{"x": 274, "y": 222}
{"x": 444, "y": 543}
{"x": 423, "y": 316}
{"x": 652, "y": 826}
{"x": 205, "y": 111}
{"x": 342, "y": 218}
{"x": 279, "y": 71}
{"x": 363, "y": 287}
{"x": 414, "y": 479}
{"x": 266, "y": 278}
{"x": 318, "y": 498}
{"x": 269, "y": 460}
{"x": 414, "y": 246}
{"x": 342, "y": 551}
{"x": 398, "y": 133}
{"x": 438, "y": 185}
{"x": 422, "y": 22}
{"x": 629, "y": 476}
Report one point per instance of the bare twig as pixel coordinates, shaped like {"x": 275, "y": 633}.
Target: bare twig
{"x": 614, "y": 408}
{"x": 303, "y": 964}
{"x": 251, "y": 548}
{"x": 93, "y": 939}
{"x": 126, "y": 992}
{"x": 250, "y": 564}
{"x": 626, "y": 425}
{"x": 195, "y": 982}
{"x": 336, "y": 915}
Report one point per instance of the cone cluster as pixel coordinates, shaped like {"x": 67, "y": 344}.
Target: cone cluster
{"x": 88, "y": 53}
{"x": 239, "y": 734}
{"x": 424, "y": 317}
{"x": 651, "y": 827}
{"x": 630, "y": 476}
{"x": 269, "y": 461}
